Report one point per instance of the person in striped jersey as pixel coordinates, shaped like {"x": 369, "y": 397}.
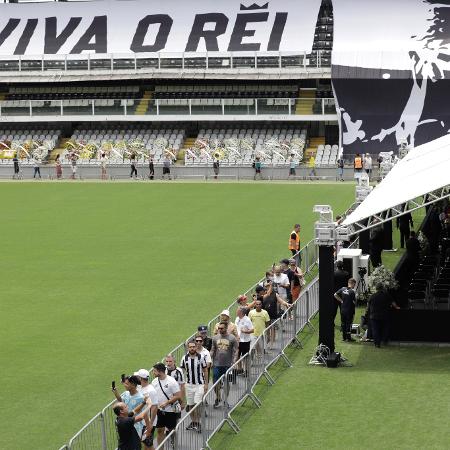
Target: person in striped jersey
{"x": 196, "y": 371}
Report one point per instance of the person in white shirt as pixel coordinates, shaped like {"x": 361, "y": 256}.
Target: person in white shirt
{"x": 169, "y": 397}
{"x": 245, "y": 329}
{"x": 151, "y": 400}
{"x": 280, "y": 282}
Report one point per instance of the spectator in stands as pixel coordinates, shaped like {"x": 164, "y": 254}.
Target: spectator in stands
{"x": 292, "y": 166}
{"x": 346, "y": 296}
{"x": 368, "y": 165}
{"x": 216, "y": 168}
{"x": 340, "y": 165}
{"x": 73, "y": 164}
{"x": 196, "y": 370}
{"x": 169, "y": 397}
{"x": 312, "y": 167}
{"x": 259, "y": 318}
{"x": 379, "y": 305}
{"x": 294, "y": 243}
{"x": 133, "y": 165}
{"x": 203, "y": 332}
{"x": 358, "y": 164}
{"x": 376, "y": 243}
{"x": 298, "y": 280}
{"x": 224, "y": 354}
{"x": 151, "y": 166}
{"x": 257, "y": 167}
{"x": 341, "y": 278}
{"x": 245, "y": 329}
{"x": 151, "y": 408}
{"x": 177, "y": 374}
{"x": 131, "y": 397}
{"x": 16, "y": 167}
{"x": 128, "y": 438}
{"x": 58, "y": 167}
{"x": 103, "y": 162}
{"x": 166, "y": 167}
{"x": 403, "y": 223}
{"x": 231, "y": 327}
{"x": 36, "y": 167}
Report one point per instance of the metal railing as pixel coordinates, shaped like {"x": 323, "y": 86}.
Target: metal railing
{"x": 100, "y": 433}
{"x": 141, "y": 62}
{"x": 166, "y": 107}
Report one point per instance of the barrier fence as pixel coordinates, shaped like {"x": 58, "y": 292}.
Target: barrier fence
{"x": 235, "y": 386}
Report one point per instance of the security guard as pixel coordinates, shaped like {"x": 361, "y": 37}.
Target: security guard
{"x": 294, "y": 243}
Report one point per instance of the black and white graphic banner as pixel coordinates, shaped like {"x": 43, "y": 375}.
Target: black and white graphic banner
{"x": 147, "y": 26}
{"x": 391, "y": 67}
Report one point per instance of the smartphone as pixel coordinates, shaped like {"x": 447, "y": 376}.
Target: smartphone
{"x": 113, "y": 385}
{"x": 122, "y": 377}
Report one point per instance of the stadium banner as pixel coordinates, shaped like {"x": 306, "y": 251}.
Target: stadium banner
{"x": 149, "y": 26}
{"x": 390, "y": 72}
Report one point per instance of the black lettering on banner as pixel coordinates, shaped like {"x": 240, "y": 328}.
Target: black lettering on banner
{"x": 9, "y": 28}
{"x": 240, "y": 31}
{"x": 52, "y": 42}
{"x": 97, "y": 31}
{"x": 210, "y": 36}
{"x": 277, "y": 32}
{"x": 165, "y": 25}
{"x": 26, "y": 36}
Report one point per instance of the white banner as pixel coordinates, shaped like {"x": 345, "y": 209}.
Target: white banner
{"x": 383, "y": 34}
{"x": 147, "y": 26}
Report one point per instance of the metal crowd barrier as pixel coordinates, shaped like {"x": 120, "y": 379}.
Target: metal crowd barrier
{"x": 239, "y": 381}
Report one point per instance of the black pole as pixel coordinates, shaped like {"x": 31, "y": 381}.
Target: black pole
{"x": 387, "y": 232}
{"x": 326, "y": 284}
{"x": 364, "y": 237}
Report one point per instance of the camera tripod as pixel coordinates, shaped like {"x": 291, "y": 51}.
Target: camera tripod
{"x": 361, "y": 288}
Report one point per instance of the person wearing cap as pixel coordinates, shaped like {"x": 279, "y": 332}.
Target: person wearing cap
{"x": 132, "y": 398}
{"x": 231, "y": 327}
{"x": 203, "y": 332}
{"x": 169, "y": 397}
{"x": 294, "y": 243}
{"x": 151, "y": 399}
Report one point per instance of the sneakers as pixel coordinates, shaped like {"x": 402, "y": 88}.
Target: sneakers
{"x": 216, "y": 403}
{"x": 191, "y": 426}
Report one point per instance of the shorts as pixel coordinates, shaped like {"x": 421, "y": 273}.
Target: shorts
{"x": 194, "y": 393}
{"x": 149, "y": 440}
{"x": 166, "y": 171}
{"x": 291, "y": 171}
{"x": 218, "y": 372}
{"x": 244, "y": 348}
{"x": 167, "y": 420}
{"x": 258, "y": 170}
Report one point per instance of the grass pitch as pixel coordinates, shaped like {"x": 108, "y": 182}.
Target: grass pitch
{"x": 100, "y": 279}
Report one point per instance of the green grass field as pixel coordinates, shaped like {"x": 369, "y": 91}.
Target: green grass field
{"x": 100, "y": 279}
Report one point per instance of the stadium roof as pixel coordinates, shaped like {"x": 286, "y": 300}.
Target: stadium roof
{"x": 421, "y": 178}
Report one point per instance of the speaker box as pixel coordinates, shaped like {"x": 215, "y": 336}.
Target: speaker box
{"x": 333, "y": 360}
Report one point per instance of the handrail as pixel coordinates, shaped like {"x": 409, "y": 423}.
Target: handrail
{"x": 100, "y": 433}
{"x": 88, "y": 107}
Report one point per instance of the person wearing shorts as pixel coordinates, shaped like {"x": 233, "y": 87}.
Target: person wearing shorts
{"x": 169, "y": 397}
{"x": 196, "y": 371}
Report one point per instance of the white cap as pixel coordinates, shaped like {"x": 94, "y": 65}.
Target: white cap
{"x": 225, "y": 312}
{"x": 143, "y": 373}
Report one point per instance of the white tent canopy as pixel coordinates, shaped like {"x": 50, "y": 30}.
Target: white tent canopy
{"x": 424, "y": 170}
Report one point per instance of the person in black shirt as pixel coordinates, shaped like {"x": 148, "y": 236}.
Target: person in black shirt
{"x": 207, "y": 341}
{"x": 127, "y": 434}
{"x": 347, "y": 298}
{"x": 151, "y": 166}
{"x": 379, "y": 305}
{"x": 403, "y": 223}
{"x": 376, "y": 243}
{"x": 341, "y": 278}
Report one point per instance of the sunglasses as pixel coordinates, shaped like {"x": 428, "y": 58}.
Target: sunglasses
{"x": 199, "y": 340}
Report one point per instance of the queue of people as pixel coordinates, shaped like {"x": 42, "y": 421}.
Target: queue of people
{"x": 148, "y": 410}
